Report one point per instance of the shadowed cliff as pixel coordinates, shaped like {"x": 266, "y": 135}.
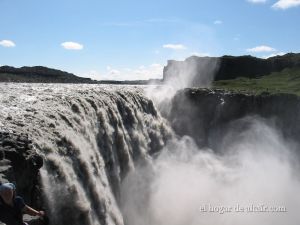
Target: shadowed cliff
{"x": 203, "y": 113}
{"x": 227, "y": 67}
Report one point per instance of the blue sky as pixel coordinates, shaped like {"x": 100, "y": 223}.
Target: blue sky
{"x": 133, "y": 39}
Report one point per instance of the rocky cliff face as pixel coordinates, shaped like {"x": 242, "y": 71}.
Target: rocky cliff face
{"x": 204, "y": 69}
{"x": 203, "y": 113}
{"x": 20, "y": 164}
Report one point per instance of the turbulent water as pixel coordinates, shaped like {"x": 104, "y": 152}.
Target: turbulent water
{"x": 90, "y": 137}
{"x": 111, "y": 159}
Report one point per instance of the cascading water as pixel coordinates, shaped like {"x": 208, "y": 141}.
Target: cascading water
{"x": 99, "y": 145}
{"x": 90, "y": 137}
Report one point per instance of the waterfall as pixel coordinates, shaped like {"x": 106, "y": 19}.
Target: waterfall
{"x": 111, "y": 159}
{"x": 90, "y": 136}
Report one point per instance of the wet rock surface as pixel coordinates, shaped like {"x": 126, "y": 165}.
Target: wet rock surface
{"x": 20, "y": 164}
{"x": 203, "y": 113}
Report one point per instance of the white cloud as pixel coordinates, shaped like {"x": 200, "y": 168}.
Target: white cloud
{"x": 257, "y": 1}
{"x": 93, "y": 74}
{"x": 153, "y": 71}
{"x": 285, "y": 4}
{"x": 69, "y": 45}
{"x": 218, "y": 22}
{"x": 7, "y": 43}
{"x": 109, "y": 74}
{"x": 114, "y": 72}
{"x": 262, "y": 48}
{"x": 273, "y": 54}
{"x": 174, "y": 46}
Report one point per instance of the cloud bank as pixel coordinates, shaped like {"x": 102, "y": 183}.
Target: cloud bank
{"x": 153, "y": 71}
{"x": 285, "y": 4}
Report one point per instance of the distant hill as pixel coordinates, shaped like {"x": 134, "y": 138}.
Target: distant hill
{"x": 39, "y": 74}
{"x": 199, "y": 68}
{"x": 228, "y": 67}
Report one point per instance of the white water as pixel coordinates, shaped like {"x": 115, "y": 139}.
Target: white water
{"x": 258, "y": 168}
{"x": 91, "y": 136}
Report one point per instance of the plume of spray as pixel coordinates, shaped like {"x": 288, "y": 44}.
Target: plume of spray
{"x": 192, "y": 72}
{"x": 253, "y": 181}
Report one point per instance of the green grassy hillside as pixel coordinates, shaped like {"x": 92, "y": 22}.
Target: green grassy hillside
{"x": 286, "y": 81}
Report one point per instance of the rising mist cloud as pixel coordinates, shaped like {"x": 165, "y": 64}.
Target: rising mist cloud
{"x": 256, "y": 169}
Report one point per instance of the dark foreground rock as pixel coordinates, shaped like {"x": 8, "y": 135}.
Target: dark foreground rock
{"x": 19, "y": 164}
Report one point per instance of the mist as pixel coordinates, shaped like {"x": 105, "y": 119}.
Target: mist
{"x": 253, "y": 181}
{"x": 192, "y": 72}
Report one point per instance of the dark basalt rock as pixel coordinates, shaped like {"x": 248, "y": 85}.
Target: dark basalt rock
{"x": 203, "y": 113}
{"x": 20, "y": 165}
{"x": 227, "y": 67}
